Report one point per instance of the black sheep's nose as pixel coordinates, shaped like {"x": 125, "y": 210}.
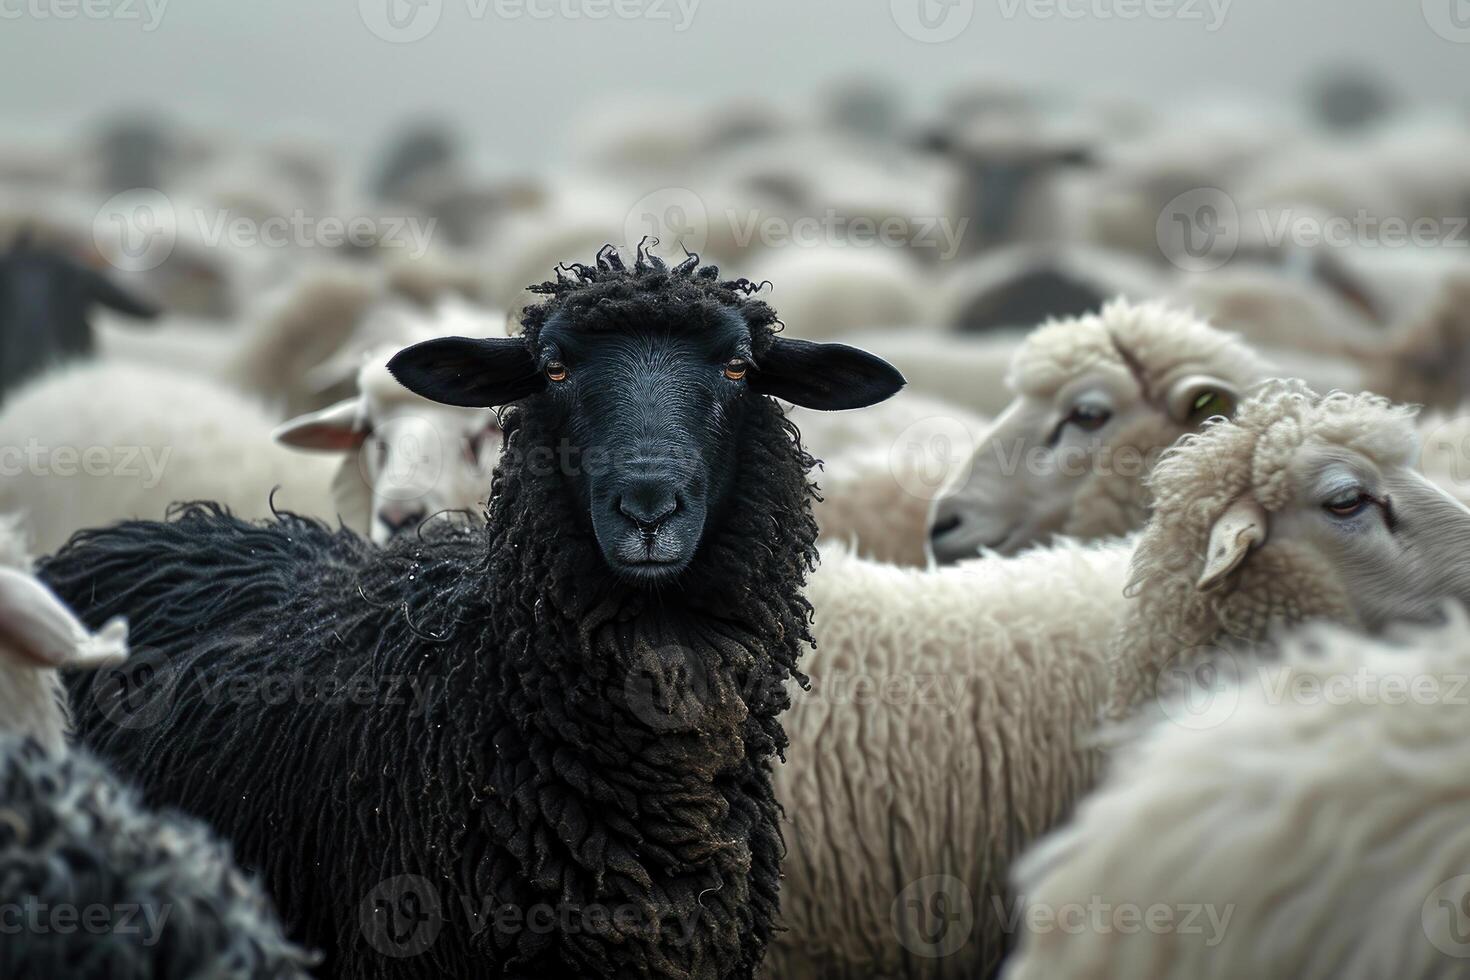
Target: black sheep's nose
{"x": 648, "y": 503}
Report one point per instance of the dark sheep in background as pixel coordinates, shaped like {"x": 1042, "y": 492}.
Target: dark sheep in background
{"x": 596, "y": 682}
{"x": 96, "y": 887}
{"x": 45, "y": 297}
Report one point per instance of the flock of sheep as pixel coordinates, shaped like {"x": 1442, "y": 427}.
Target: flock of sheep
{"x": 1127, "y": 639}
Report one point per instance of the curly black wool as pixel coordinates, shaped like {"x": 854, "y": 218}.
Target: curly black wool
{"x": 95, "y": 887}
{"x": 578, "y": 779}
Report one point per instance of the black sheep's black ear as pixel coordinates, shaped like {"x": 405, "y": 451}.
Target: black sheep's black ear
{"x": 827, "y": 377}
{"x": 114, "y": 297}
{"x": 468, "y": 372}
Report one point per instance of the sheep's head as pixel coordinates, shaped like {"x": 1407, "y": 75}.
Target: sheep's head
{"x": 642, "y": 378}
{"x": 408, "y": 458}
{"x": 1098, "y": 398}
{"x": 1303, "y": 507}
{"x": 45, "y": 299}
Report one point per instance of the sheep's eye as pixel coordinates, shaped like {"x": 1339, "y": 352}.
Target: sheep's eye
{"x": 736, "y": 367}
{"x": 1208, "y": 404}
{"x": 1088, "y": 418}
{"x": 1348, "y": 506}
{"x": 556, "y": 370}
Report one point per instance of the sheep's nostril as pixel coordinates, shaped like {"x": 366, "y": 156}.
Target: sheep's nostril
{"x": 648, "y": 504}
{"x": 943, "y": 525}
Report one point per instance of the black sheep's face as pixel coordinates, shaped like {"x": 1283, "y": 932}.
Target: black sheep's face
{"x": 45, "y": 297}
{"x": 648, "y": 413}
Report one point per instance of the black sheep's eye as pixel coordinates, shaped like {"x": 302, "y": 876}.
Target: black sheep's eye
{"x": 1348, "y": 506}
{"x": 556, "y": 370}
{"x": 736, "y": 367}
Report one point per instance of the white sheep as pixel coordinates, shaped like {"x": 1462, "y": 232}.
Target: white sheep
{"x": 936, "y": 741}
{"x": 287, "y": 333}
{"x": 912, "y": 810}
{"x": 88, "y": 445}
{"x": 828, "y": 291}
{"x": 1307, "y": 816}
{"x": 883, "y": 467}
{"x": 39, "y": 637}
{"x": 407, "y": 458}
{"x": 1097, "y": 399}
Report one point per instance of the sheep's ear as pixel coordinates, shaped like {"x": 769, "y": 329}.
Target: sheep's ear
{"x": 338, "y": 429}
{"x": 1193, "y": 399}
{"x": 1242, "y": 527}
{"x": 467, "y": 372}
{"x": 40, "y": 632}
{"x": 114, "y": 297}
{"x": 824, "y": 376}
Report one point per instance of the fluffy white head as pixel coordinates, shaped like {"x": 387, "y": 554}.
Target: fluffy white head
{"x": 1303, "y": 507}
{"x": 1098, "y": 398}
{"x": 408, "y": 459}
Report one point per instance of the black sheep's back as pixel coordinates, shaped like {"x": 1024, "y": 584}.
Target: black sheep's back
{"x": 263, "y": 658}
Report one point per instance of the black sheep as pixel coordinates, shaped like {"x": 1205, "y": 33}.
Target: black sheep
{"x": 45, "y": 297}
{"x": 562, "y": 764}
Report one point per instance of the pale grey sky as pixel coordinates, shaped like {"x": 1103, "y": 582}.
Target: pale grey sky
{"x": 514, "y": 76}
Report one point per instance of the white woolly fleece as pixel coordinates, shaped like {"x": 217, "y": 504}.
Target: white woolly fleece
{"x": 882, "y": 468}
{"x": 1320, "y": 830}
{"x": 937, "y": 739}
{"x": 1282, "y": 582}
{"x": 94, "y": 443}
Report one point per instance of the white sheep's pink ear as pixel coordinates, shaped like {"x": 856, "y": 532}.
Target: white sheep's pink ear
{"x": 337, "y": 429}
{"x": 39, "y": 631}
{"x": 1242, "y": 527}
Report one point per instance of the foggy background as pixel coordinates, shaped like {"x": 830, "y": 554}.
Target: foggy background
{"x": 518, "y": 84}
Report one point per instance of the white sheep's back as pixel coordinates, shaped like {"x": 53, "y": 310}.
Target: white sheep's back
{"x": 1311, "y": 818}
{"x": 936, "y": 742}
{"x": 88, "y": 445}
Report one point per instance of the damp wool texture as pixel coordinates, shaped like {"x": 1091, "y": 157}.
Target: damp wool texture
{"x": 538, "y": 740}
{"x": 173, "y": 905}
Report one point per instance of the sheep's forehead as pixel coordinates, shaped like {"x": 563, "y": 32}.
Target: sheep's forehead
{"x": 1147, "y": 343}
{"x": 1056, "y": 354}
{"x": 1294, "y": 430}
